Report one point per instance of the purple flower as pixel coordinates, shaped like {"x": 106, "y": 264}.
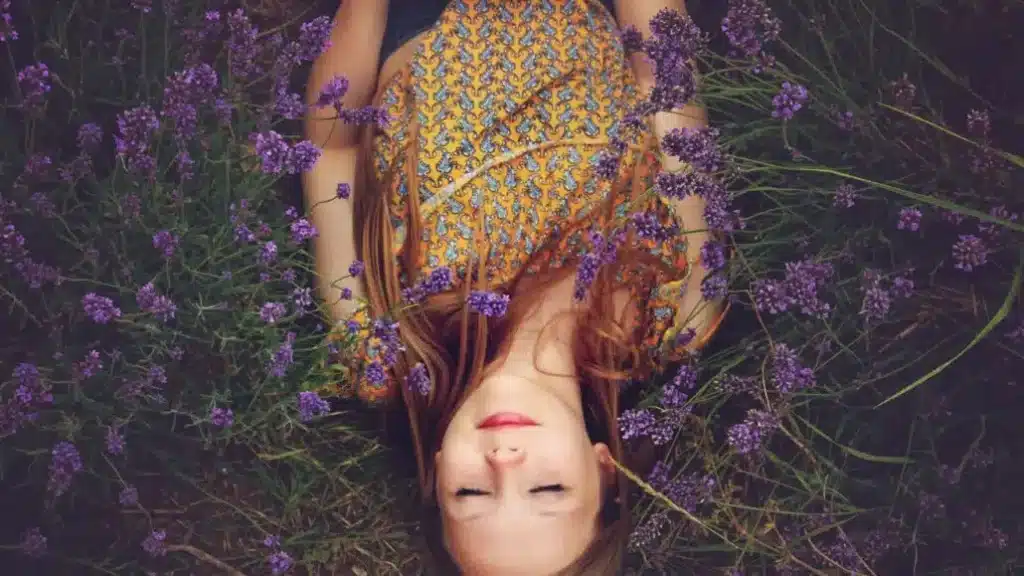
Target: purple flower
{"x": 845, "y": 196}
{"x": 303, "y": 297}
{"x": 356, "y": 268}
{"x": 969, "y": 252}
{"x": 184, "y": 93}
{"x": 607, "y": 166}
{"x": 129, "y": 496}
{"x": 675, "y": 41}
{"x": 278, "y": 157}
{"x": 131, "y": 206}
{"x": 27, "y": 374}
{"x": 749, "y": 25}
{"x": 748, "y": 436}
{"x": 649, "y": 532}
{"x": 344, "y": 190}
{"x": 375, "y": 373}
{"x": 788, "y": 375}
{"x": 675, "y": 394}
{"x": 876, "y": 303}
{"x": 902, "y": 287}
{"x": 676, "y": 185}
{"x": 334, "y": 90}
{"x": 154, "y": 303}
{"x": 7, "y": 30}
{"x": 439, "y": 280}
{"x": 34, "y": 81}
{"x": 992, "y": 230}
{"x": 602, "y": 252}
{"x": 115, "y": 440}
{"x": 314, "y": 39}
{"x": 365, "y": 115}
{"x": 12, "y": 244}
{"x": 789, "y": 100}
{"x": 267, "y": 253}
{"x": 697, "y": 147}
{"x": 273, "y": 150}
{"x": 714, "y": 287}
{"x": 280, "y": 562}
{"x": 631, "y": 38}
{"x": 302, "y": 230}
{"x": 38, "y": 167}
{"x": 243, "y": 235}
{"x": 311, "y": 406}
{"x": 100, "y": 308}
{"x": 712, "y": 255}
{"x": 222, "y": 417}
{"x": 155, "y": 544}
{"x": 283, "y": 357}
{"x": 144, "y": 6}
{"x": 66, "y": 462}
{"x": 418, "y": 380}
{"x": 844, "y": 120}
{"x": 490, "y": 304}
{"x": 636, "y": 423}
{"x": 89, "y": 366}
{"x": 687, "y": 491}
{"x": 272, "y": 542}
{"x": 271, "y": 312}
{"x": 800, "y": 288}
{"x": 166, "y": 242}
{"x": 89, "y": 137}
{"x": 135, "y": 129}
{"x": 910, "y": 219}
{"x": 36, "y": 274}
{"x": 770, "y": 296}
{"x": 648, "y": 227}
{"x": 302, "y": 157}
{"x": 33, "y": 543}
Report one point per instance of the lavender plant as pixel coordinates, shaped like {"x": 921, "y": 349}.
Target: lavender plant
{"x": 167, "y": 351}
{"x": 157, "y": 286}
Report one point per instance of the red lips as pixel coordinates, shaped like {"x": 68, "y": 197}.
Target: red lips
{"x": 506, "y": 420}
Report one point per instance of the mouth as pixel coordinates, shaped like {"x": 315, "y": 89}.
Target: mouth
{"x": 505, "y": 420}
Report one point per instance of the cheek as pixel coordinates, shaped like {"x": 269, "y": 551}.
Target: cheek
{"x": 454, "y": 460}
{"x": 568, "y": 455}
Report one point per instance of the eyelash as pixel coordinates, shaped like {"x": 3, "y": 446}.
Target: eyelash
{"x": 464, "y": 492}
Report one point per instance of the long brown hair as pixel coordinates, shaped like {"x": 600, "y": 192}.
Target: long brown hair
{"x": 455, "y": 345}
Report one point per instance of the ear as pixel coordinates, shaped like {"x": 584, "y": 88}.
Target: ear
{"x": 604, "y": 462}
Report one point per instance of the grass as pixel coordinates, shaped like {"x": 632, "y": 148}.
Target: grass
{"x": 901, "y": 459}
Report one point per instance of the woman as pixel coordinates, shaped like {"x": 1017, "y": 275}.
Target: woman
{"x": 489, "y": 309}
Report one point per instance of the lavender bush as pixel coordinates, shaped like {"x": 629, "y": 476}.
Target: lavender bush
{"x": 160, "y": 413}
{"x": 161, "y": 336}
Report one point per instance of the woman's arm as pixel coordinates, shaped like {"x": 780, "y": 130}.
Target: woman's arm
{"x": 354, "y": 53}
{"x": 690, "y": 210}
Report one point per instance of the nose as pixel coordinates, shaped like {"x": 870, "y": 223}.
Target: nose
{"x": 505, "y": 457}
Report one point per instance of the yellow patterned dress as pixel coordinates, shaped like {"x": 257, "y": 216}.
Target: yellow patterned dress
{"x": 516, "y": 99}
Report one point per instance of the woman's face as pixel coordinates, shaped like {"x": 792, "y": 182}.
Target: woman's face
{"x": 518, "y": 481}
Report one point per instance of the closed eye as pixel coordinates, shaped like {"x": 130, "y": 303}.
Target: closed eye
{"x": 548, "y": 488}
{"x": 463, "y": 492}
